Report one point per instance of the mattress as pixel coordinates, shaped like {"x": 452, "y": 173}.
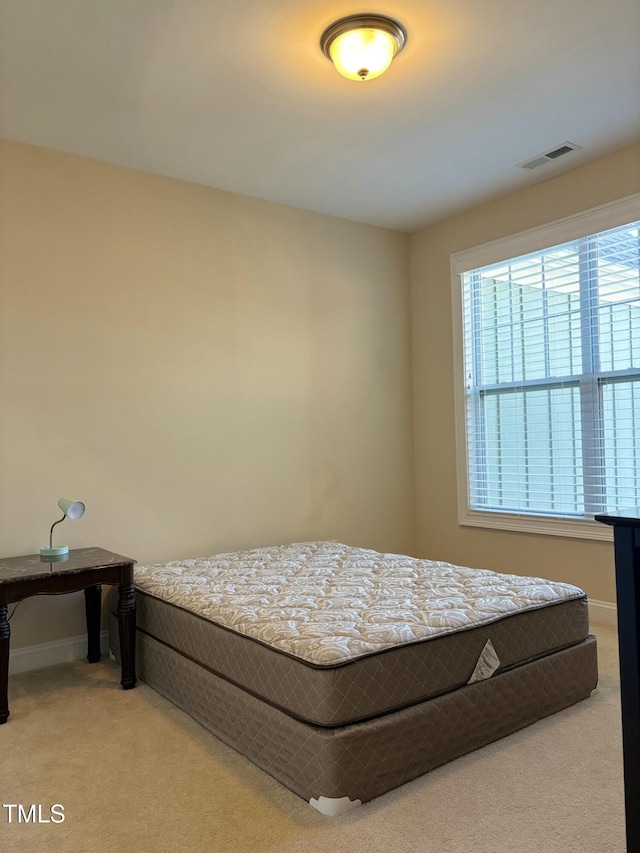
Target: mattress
{"x": 333, "y": 635}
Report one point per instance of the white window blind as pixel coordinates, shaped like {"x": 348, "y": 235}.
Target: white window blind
{"x": 552, "y": 378}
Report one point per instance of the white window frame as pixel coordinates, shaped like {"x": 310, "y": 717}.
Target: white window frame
{"x": 583, "y": 224}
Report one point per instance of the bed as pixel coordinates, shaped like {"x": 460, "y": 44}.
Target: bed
{"x": 344, "y": 672}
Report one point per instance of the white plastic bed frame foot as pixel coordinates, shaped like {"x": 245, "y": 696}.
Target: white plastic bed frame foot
{"x": 334, "y": 806}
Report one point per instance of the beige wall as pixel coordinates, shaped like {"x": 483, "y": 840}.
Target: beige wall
{"x": 212, "y": 372}
{"x": 206, "y": 371}
{"x": 588, "y": 564}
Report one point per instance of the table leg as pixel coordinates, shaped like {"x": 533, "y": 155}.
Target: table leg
{"x": 92, "y": 603}
{"x": 5, "y": 634}
{"x": 127, "y": 629}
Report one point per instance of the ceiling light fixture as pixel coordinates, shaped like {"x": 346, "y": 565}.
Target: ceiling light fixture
{"x": 362, "y": 46}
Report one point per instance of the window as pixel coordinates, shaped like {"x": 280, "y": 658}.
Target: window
{"x": 551, "y": 380}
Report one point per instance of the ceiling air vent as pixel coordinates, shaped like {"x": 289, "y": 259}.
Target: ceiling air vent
{"x": 549, "y": 156}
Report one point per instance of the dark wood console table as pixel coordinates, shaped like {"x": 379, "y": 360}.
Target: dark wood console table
{"x": 84, "y": 568}
{"x": 626, "y": 537}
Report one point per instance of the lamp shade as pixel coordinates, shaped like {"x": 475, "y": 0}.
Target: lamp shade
{"x": 362, "y": 47}
{"x": 72, "y": 509}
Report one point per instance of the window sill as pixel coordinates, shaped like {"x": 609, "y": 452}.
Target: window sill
{"x": 571, "y": 528}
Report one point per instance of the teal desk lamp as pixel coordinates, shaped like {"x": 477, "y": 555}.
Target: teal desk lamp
{"x": 71, "y": 509}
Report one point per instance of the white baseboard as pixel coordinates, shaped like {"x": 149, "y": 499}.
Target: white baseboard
{"x": 50, "y": 654}
{"x": 602, "y": 613}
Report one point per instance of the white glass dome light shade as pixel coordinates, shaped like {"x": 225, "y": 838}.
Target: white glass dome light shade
{"x": 362, "y": 54}
{"x": 362, "y": 47}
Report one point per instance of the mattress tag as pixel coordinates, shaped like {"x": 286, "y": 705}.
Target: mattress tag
{"x": 487, "y": 664}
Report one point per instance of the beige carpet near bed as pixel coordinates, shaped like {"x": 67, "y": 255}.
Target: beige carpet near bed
{"x": 136, "y": 774}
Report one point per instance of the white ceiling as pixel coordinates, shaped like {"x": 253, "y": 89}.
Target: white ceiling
{"x": 236, "y": 94}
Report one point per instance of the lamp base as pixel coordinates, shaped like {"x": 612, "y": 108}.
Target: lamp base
{"x": 54, "y": 552}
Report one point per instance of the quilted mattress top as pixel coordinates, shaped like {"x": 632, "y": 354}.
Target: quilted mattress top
{"x": 327, "y": 603}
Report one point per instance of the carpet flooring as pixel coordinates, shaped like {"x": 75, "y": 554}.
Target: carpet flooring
{"x": 134, "y": 773}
